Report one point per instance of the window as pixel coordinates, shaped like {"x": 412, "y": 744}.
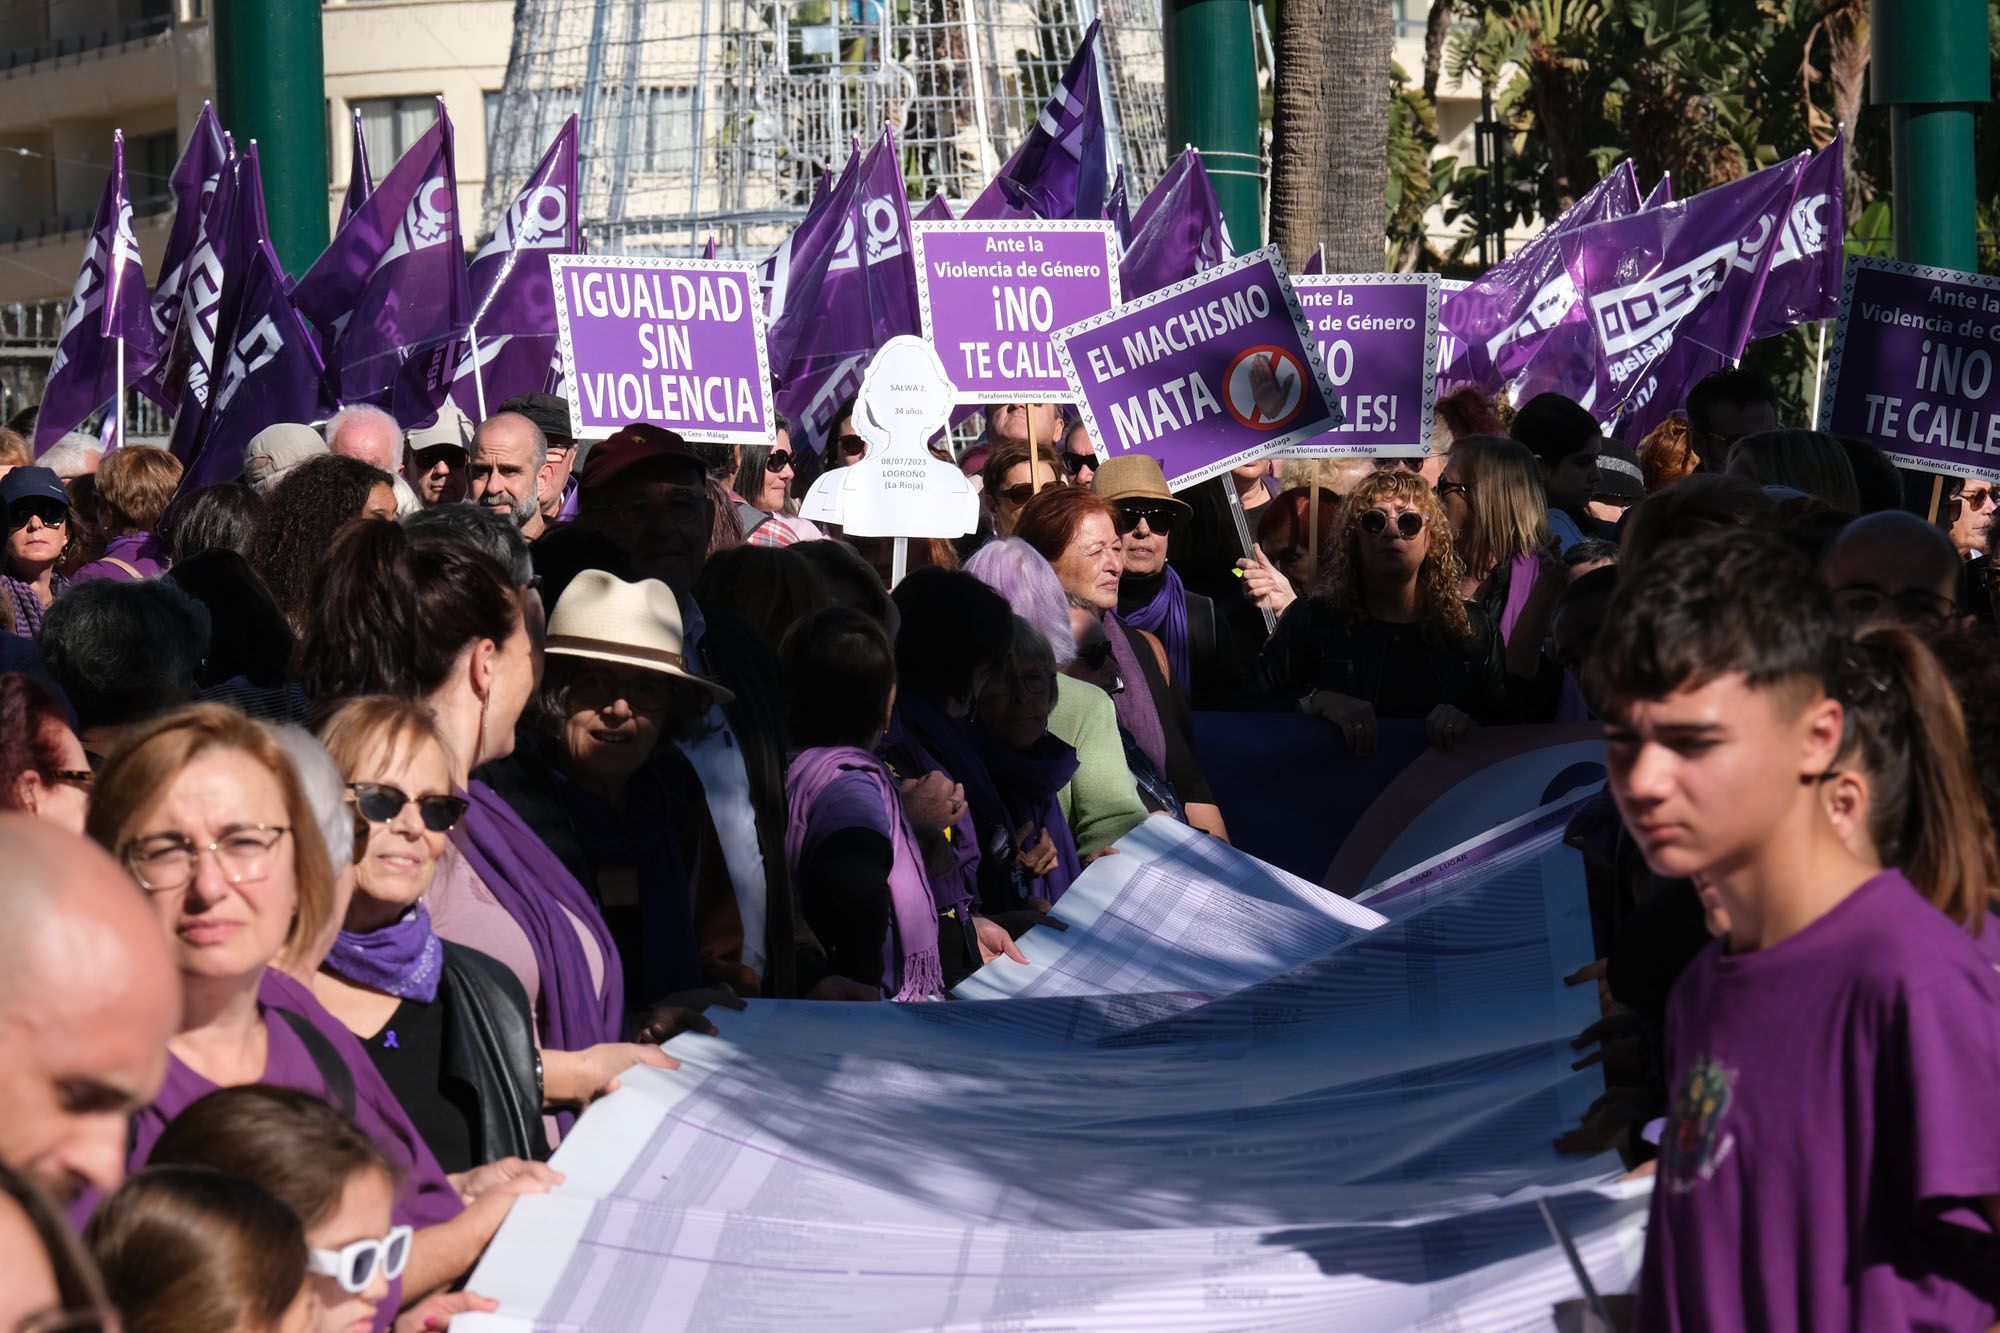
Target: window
{"x": 149, "y": 169}
{"x": 389, "y": 125}
{"x": 663, "y": 131}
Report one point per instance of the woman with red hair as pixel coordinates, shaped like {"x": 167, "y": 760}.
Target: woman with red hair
{"x": 43, "y": 770}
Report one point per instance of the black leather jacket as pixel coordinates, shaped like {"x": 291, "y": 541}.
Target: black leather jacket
{"x": 1390, "y": 666}
{"x": 489, "y": 1044}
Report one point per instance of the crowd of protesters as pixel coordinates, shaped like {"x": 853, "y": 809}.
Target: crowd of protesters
{"x": 371, "y": 815}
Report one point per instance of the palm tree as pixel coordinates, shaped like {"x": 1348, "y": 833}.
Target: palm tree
{"x": 1330, "y": 131}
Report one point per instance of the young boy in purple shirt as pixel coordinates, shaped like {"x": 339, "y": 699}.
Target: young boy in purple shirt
{"x": 1830, "y": 1159}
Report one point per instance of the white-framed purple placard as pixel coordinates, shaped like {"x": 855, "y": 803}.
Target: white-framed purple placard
{"x": 677, "y": 343}
{"x": 1913, "y": 366}
{"x": 1378, "y": 335}
{"x": 993, "y": 294}
{"x": 1209, "y": 373}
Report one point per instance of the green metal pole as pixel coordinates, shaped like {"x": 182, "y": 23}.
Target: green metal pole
{"x": 1212, "y": 104}
{"x": 270, "y": 85}
{"x": 1928, "y": 65}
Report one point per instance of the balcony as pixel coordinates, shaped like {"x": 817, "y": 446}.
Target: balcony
{"x": 79, "y": 45}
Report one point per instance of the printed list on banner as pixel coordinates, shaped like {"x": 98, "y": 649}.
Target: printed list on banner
{"x": 1378, "y": 335}
{"x": 1913, "y": 366}
{"x": 992, "y": 295}
{"x": 1204, "y": 375}
{"x": 677, "y": 343}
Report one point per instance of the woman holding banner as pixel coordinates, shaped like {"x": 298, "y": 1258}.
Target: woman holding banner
{"x": 1389, "y": 634}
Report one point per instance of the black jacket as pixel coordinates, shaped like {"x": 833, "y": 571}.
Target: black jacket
{"x": 1396, "y": 668}
{"x": 489, "y": 1045}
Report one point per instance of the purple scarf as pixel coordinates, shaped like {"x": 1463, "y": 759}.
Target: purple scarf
{"x": 28, "y": 608}
{"x": 954, "y": 890}
{"x": 1137, "y": 712}
{"x": 913, "y": 951}
{"x": 527, "y": 879}
{"x": 403, "y": 958}
{"x": 1028, "y": 782}
{"x": 1165, "y": 615}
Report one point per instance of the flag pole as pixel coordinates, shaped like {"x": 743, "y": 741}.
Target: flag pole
{"x": 1228, "y": 484}
{"x": 1819, "y": 372}
{"x": 118, "y": 399}
{"x": 1034, "y": 455}
{"x": 478, "y": 374}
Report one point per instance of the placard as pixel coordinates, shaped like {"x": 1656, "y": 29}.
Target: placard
{"x": 1211, "y": 372}
{"x": 676, "y": 343}
{"x": 1913, "y": 366}
{"x": 993, "y": 294}
{"x": 1378, "y": 335}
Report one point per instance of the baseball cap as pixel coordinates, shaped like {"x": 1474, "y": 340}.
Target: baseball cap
{"x": 633, "y": 446}
{"x": 32, "y": 483}
{"x": 549, "y": 413}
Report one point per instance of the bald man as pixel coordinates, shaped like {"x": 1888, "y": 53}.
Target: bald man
{"x": 88, "y": 998}
{"x": 509, "y": 453}
{"x": 1894, "y": 566}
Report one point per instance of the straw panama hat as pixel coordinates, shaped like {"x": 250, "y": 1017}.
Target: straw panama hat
{"x": 606, "y": 619}
{"x": 1137, "y": 477}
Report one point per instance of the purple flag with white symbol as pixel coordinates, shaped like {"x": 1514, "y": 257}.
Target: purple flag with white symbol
{"x": 216, "y": 272}
{"x": 1503, "y": 318}
{"x": 851, "y": 286}
{"x": 107, "y": 307}
{"x": 394, "y": 280}
{"x": 195, "y": 179}
{"x": 1670, "y": 294}
{"x": 1060, "y": 171}
{"x": 360, "y": 181}
{"x": 1118, "y": 209}
{"x": 513, "y": 295}
{"x": 1177, "y": 232}
{"x": 1804, "y": 282}
{"x": 774, "y": 276}
{"x": 270, "y": 371}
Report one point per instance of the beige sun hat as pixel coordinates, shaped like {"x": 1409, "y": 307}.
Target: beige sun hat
{"x": 605, "y": 619}
{"x": 276, "y": 450}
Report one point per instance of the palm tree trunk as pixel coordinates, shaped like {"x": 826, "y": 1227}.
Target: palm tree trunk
{"x": 1330, "y": 131}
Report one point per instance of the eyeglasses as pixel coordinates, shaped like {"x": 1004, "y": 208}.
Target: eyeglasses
{"x": 1076, "y": 463}
{"x": 1393, "y": 464}
{"x": 851, "y": 446}
{"x": 1020, "y": 495}
{"x": 98, "y": 1320}
{"x": 52, "y": 514}
{"x": 1159, "y": 519}
{"x": 1096, "y": 655}
{"x": 1408, "y": 522}
{"x": 595, "y": 687}
{"x": 76, "y": 777}
{"x": 1023, "y": 684}
{"x": 379, "y": 803}
{"x": 1444, "y": 488}
{"x": 165, "y": 862}
{"x": 1912, "y": 605}
{"x": 778, "y": 461}
{"x": 354, "y": 1266}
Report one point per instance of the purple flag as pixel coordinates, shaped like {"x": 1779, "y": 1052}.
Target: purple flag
{"x": 1804, "y": 283}
{"x": 1177, "y": 232}
{"x": 1060, "y": 170}
{"x": 774, "y": 277}
{"x": 1316, "y": 266}
{"x": 1118, "y": 210}
{"x": 394, "y": 278}
{"x": 513, "y": 296}
{"x": 1670, "y": 294}
{"x": 216, "y": 273}
{"x": 107, "y": 309}
{"x": 1661, "y": 194}
{"x": 270, "y": 371}
{"x": 938, "y": 210}
{"x": 195, "y": 179}
{"x": 1503, "y": 318}
{"x": 708, "y": 247}
{"x": 851, "y": 286}
{"x": 360, "y": 181}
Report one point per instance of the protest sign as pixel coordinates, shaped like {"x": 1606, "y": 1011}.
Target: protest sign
{"x": 1378, "y": 336}
{"x": 898, "y": 489}
{"x": 1912, "y": 366}
{"x": 1210, "y": 372}
{"x": 992, "y": 295}
{"x": 677, "y": 343}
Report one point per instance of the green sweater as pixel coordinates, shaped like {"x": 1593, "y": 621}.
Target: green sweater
{"x": 1101, "y": 802}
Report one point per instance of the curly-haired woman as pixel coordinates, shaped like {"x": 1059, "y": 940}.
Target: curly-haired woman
{"x": 1387, "y": 634}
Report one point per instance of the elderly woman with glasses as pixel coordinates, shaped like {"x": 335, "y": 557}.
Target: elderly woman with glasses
{"x": 38, "y": 530}
{"x": 1388, "y": 634}
{"x": 208, "y": 814}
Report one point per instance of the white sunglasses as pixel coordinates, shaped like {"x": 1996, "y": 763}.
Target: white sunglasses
{"x": 353, "y": 1266}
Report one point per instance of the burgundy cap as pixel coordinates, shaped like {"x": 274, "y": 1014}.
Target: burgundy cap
{"x": 635, "y": 444}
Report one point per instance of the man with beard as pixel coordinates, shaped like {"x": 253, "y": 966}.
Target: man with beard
{"x": 508, "y": 452}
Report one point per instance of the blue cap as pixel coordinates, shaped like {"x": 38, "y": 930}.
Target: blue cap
{"x": 39, "y": 483}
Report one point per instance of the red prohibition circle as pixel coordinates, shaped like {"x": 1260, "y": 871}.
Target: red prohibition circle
{"x": 1229, "y": 386}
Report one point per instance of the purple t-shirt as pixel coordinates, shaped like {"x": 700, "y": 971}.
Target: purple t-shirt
{"x": 1831, "y": 1129}
{"x": 140, "y": 555}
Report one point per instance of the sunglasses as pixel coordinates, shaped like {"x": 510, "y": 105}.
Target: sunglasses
{"x": 851, "y": 446}
{"x": 1408, "y": 522}
{"x": 354, "y": 1266}
{"x": 1076, "y": 463}
{"x": 76, "y": 777}
{"x": 379, "y": 803}
{"x": 52, "y": 514}
{"x": 779, "y": 460}
{"x": 1444, "y": 488}
{"x": 1392, "y": 464}
{"x": 1159, "y": 519}
{"x": 1096, "y": 655}
{"x": 1020, "y": 495}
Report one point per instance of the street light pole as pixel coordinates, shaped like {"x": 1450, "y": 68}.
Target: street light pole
{"x": 1928, "y": 65}
{"x": 270, "y": 86}
{"x": 1212, "y": 104}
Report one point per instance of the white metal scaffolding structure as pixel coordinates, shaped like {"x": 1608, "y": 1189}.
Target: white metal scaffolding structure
{"x": 716, "y": 118}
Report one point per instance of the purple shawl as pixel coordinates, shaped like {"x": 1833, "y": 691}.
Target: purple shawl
{"x": 1166, "y": 616}
{"x": 1137, "y": 712}
{"x": 525, "y": 877}
{"x": 955, "y": 889}
{"x": 1029, "y": 781}
{"x": 913, "y": 951}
